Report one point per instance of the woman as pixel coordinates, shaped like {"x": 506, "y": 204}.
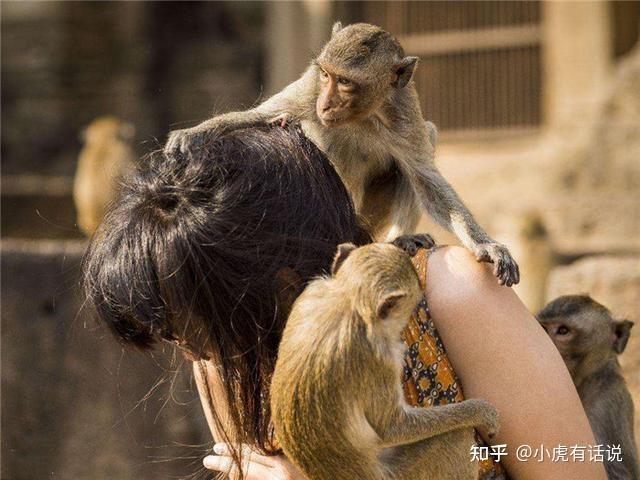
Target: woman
{"x": 210, "y": 251}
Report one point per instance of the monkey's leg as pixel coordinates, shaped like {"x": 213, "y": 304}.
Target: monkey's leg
{"x": 413, "y": 424}
{"x": 413, "y": 242}
{"x": 444, "y": 205}
{"x": 445, "y": 457}
{"x": 405, "y": 210}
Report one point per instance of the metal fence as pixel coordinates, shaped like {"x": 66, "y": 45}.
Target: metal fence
{"x": 480, "y": 68}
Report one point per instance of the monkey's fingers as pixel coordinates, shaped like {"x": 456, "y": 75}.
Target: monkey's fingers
{"x": 501, "y": 267}
{"x": 516, "y": 278}
{"x": 172, "y": 147}
{"x": 482, "y": 255}
{"x": 511, "y": 270}
{"x": 282, "y": 120}
{"x": 185, "y": 141}
{"x": 491, "y": 423}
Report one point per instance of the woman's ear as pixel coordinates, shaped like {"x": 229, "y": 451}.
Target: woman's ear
{"x": 288, "y": 285}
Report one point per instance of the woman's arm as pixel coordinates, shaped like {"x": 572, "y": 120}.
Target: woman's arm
{"x": 501, "y": 354}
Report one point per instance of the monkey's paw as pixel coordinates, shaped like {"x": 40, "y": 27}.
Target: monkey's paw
{"x": 282, "y": 120}
{"x": 412, "y": 243}
{"x": 504, "y": 266}
{"x": 183, "y": 141}
{"x": 489, "y": 416}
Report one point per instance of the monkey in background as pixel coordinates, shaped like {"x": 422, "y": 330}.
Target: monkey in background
{"x": 337, "y": 403}
{"x": 106, "y": 156}
{"x": 590, "y": 340}
{"x": 357, "y": 102}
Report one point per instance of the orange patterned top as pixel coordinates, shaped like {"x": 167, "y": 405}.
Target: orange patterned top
{"x": 428, "y": 378}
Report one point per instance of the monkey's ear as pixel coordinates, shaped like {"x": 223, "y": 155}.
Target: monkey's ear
{"x": 344, "y": 250}
{"x": 622, "y": 330}
{"x": 404, "y": 71}
{"x": 388, "y": 302}
{"x": 336, "y": 28}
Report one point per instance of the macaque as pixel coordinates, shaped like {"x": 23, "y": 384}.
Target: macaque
{"x": 357, "y": 102}
{"x": 337, "y": 403}
{"x": 590, "y": 340}
{"x": 105, "y": 158}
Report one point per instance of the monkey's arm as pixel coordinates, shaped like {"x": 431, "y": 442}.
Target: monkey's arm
{"x": 444, "y": 205}
{"x": 292, "y": 103}
{"x": 413, "y": 424}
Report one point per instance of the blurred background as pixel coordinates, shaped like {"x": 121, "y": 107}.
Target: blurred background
{"x": 538, "y": 105}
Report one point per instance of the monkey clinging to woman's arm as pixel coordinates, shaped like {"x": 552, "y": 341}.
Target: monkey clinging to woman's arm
{"x": 337, "y": 405}
{"x": 357, "y": 102}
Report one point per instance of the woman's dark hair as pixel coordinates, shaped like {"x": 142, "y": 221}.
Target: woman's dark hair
{"x": 191, "y": 249}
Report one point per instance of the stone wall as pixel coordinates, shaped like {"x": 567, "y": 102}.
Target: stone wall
{"x": 157, "y": 65}
{"x": 76, "y": 405}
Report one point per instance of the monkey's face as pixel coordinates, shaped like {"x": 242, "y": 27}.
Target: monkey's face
{"x": 358, "y": 69}
{"x": 582, "y": 328}
{"x": 342, "y": 98}
{"x": 566, "y": 334}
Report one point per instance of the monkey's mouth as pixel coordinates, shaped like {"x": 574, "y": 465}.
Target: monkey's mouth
{"x": 330, "y": 121}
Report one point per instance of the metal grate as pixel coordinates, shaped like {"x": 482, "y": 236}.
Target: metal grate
{"x": 480, "y": 61}
{"x": 481, "y": 90}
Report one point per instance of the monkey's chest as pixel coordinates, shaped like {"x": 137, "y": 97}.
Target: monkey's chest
{"x": 358, "y": 155}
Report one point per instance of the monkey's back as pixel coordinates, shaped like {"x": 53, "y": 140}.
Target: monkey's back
{"x": 317, "y": 393}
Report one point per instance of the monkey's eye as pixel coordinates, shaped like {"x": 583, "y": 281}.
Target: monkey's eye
{"x": 344, "y": 81}
{"x": 562, "y": 330}
{"x": 324, "y": 74}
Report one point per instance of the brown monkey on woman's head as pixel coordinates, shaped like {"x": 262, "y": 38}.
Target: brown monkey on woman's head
{"x": 197, "y": 244}
{"x": 358, "y": 103}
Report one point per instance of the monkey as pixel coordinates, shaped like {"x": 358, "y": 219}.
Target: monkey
{"x": 590, "y": 340}
{"x": 336, "y": 399}
{"x": 536, "y": 257}
{"x": 357, "y": 102}
{"x": 105, "y": 157}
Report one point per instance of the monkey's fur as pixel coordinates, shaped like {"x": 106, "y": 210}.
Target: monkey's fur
{"x": 357, "y": 102}
{"x": 590, "y": 340}
{"x": 105, "y": 158}
{"x": 336, "y": 398}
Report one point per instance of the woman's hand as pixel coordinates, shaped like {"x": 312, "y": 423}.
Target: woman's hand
{"x": 254, "y": 465}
